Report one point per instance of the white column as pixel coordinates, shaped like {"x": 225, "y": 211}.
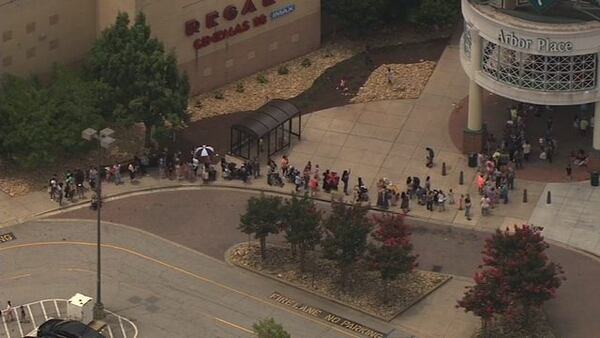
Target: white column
{"x": 597, "y": 125}
{"x": 474, "y": 122}
{"x": 474, "y": 117}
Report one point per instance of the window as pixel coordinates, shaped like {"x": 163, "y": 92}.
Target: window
{"x": 53, "y": 19}
{"x": 30, "y": 28}
{"x": 273, "y": 46}
{"x": 251, "y": 55}
{"x": 7, "y": 36}
{"x": 207, "y": 71}
{"x": 31, "y": 52}
{"x": 539, "y": 72}
{"x": 229, "y": 63}
{"x": 53, "y": 44}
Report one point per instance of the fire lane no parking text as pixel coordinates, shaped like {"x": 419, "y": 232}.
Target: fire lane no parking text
{"x": 326, "y": 316}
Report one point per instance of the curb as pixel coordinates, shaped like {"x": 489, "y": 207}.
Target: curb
{"x": 387, "y": 319}
{"x": 217, "y": 186}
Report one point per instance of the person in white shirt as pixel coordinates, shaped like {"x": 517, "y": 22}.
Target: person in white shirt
{"x": 526, "y": 150}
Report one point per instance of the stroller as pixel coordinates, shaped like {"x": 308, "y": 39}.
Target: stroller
{"x": 361, "y": 193}
{"x": 273, "y": 178}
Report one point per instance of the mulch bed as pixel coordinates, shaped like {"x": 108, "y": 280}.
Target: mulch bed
{"x": 322, "y": 278}
{"x": 323, "y": 93}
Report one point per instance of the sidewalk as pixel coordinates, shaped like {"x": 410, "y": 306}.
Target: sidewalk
{"x": 388, "y": 139}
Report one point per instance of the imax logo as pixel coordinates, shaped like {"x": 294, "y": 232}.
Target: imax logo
{"x": 283, "y": 11}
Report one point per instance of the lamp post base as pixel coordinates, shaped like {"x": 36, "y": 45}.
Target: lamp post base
{"x": 99, "y": 311}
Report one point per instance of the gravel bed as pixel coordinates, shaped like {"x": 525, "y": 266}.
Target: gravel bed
{"x": 322, "y": 276}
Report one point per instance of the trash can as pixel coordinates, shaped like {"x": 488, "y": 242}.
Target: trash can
{"x": 472, "y": 160}
{"x": 594, "y": 179}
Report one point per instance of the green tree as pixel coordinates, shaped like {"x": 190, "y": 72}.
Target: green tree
{"x": 268, "y": 328}
{"x": 41, "y": 124}
{"x": 357, "y": 16}
{"x": 438, "y": 14}
{"x": 363, "y": 16}
{"x": 302, "y": 223}
{"x": 392, "y": 255}
{"x": 145, "y": 84}
{"x": 262, "y": 218}
{"x": 345, "y": 241}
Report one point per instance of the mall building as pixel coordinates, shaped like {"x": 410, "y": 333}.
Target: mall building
{"x": 531, "y": 55}
{"x": 216, "y": 41}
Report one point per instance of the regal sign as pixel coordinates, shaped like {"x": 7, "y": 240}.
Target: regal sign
{"x": 224, "y": 17}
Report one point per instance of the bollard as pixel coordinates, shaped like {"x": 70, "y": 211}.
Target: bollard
{"x": 444, "y": 169}
{"x": 461, "y": 178}
{"x": 524, "y": 195}
{"x": 548, "y": 198}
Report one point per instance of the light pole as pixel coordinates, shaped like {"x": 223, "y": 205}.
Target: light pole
{"x": 104, "y": 141}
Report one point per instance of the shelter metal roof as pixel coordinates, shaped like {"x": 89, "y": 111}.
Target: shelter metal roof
{"x": 266, "y": 118}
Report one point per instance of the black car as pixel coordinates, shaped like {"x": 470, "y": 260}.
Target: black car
{"x": 58, "y": 328}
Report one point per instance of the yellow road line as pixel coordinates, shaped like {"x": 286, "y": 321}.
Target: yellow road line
{"x": 183, "y": 271}
{"x": 235, "y": 326}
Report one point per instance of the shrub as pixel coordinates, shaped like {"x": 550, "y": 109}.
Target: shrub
{"x": 306, "y": 63}
{"x": 268, "y": 328}
{"x": 283, "y": 70}
{"x": 260, "y": 78}
{"x": 239, "y": 88}
{"x": 219, "y": 95}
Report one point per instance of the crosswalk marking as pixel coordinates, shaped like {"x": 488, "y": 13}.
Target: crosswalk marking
{"x": 28, "y": 326}
{"x": 122, "y": 328}
{"x": 110, "y": 331}
{"x": 19, "y": 322}
{"x": 44, "y": 311}
{"x": 5, "y": 326}
{"x": 57, "y": 310}
{"x": 31, "y": 316}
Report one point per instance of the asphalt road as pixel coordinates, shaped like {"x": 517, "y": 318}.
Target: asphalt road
{"x": 206, "y": 221}
{"x": 168, "y": 290}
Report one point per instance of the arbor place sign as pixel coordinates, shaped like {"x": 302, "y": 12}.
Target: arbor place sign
{"x": 224, "y": 17}
{"x": 542, "y": 45}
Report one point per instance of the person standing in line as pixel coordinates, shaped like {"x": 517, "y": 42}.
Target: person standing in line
{"x": 583, "y": 125}
{"x": 404, "y": 203}
{"x": 450, "y": 197}
{"x": 485, "y": 205}
{"x": 131, "y": 169}
{"x": 284, "y": 164}
{"x": 428, "y": 183}
{"x": 526, "y": 150}
{"x": 314, "y": 185}
{"x": 461, "y": 202}
{"x": 429, "y": 200}
{"x": 468, "y": 207}
{"x": 345, "y": 179}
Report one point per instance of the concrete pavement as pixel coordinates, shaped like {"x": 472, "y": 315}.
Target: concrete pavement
{"x": 388, "y": 139}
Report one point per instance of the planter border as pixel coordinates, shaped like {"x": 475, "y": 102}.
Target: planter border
{"x": 330, "y": 298}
